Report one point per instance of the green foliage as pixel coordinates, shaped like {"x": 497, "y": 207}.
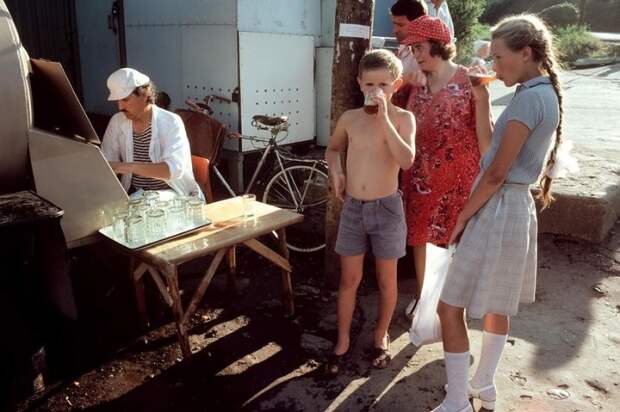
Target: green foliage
{"x": 465, "y": 14}
{"x": 574, "y": 41}
{"x": 560, "y": 15}
{"x": 599, "y": 15}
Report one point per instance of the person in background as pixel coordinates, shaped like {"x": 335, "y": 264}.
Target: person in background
{"x": 482, "y": 50}
{"x": 143, "y": 143}
{"x": 403, "y": 12}
{"x": 494, "y": 265}
{"x": 448, "y": 142}
{"x": 439, "y": 9}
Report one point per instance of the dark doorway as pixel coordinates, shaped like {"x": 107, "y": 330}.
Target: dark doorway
{"x": 48, "y": 30}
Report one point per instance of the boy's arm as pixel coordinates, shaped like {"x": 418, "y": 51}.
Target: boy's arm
{"x": 400, "y": 143}
{"x": 337, "y": 144}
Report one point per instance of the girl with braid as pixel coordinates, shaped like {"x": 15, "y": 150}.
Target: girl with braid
{"x": 494, "y": 265}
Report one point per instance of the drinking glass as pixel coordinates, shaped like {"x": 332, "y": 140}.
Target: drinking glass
{"x": 164, "y": 205}
{"x": 194, "y": 211}
{"x": 480, "y": 79}
{"x": 140, "y": 211}
{"x": 134, "y": 204}
{"x": 119, "y": 222}
{"x": 135, "y": 229}
{"x": 151, "y": 197}
{"x": 181, "y": 201}
{"x": 156, "y": 223}
{"x": 370, "y": 106}
{"x": 176, "y": 218}
{"x": 247, "y": 204}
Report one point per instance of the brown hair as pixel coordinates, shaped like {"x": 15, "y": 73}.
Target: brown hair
{"x": 445, "y": 51}
{"x": 381, "y": 59}
{"x": 149, "y": 90}
{"x": 526, "y": 30}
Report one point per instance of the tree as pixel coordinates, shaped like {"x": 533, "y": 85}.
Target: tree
{"x": 345, "y": 95}
{"x": 465, "y": 14}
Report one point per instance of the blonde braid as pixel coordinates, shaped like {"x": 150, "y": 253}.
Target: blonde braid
{"x": 545, "y": 181}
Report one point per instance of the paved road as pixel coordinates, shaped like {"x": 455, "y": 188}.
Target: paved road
{"x": 592, "y": 106}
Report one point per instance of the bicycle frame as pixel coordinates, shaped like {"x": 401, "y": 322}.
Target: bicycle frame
{"x": 272, "y": 146}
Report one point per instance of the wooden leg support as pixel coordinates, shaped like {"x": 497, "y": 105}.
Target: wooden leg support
{"x": 177, "y": 309}
{"x": 287, "y": 286}
{"x": 231, "y": 256}
{"x": 137, "y": 279}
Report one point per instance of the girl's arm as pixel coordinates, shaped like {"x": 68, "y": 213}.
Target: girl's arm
{"x": 482, "y": 107}
{"x": 515, "y": 135}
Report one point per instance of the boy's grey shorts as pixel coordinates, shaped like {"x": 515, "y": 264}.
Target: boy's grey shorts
{"x": 380, "y": 220}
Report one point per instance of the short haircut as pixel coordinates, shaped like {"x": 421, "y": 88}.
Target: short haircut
{"x": 412, "y": 9}
{"x": 445, "y": 51}
{"x": 380, "y": 59}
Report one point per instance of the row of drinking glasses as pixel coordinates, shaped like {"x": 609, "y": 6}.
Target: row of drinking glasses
{"x": 148, "y": 217}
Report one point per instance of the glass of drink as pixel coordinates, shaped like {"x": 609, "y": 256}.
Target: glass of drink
{"x": 370, "y": 106}
{"x": 481, "y": 79}
{"x": 135, "y": 229}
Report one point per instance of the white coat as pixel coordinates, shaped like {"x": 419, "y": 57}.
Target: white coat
{"x": 169, "y": 144}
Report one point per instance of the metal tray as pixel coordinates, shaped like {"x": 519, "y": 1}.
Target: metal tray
{"x": 151, "y": 241}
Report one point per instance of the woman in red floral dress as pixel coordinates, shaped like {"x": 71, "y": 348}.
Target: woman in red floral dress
{"x": 447, "y": 147}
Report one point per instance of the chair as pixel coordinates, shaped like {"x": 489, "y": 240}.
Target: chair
{"x": 200, "y": 166}
{"x": 206, "y": 136}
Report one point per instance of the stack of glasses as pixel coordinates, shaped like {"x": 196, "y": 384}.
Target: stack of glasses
{"x": 149, "y": 218}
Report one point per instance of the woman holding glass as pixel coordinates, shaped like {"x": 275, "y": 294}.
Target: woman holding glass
{"x": 448, "y": 146}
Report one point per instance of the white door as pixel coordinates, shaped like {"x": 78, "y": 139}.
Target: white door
{"x": 276, "y": 76}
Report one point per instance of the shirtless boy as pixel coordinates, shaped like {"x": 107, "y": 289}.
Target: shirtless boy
{"x": 378, "y": 145}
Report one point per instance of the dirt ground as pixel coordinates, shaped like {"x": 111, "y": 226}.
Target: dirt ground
{"x": 562, "y": 354}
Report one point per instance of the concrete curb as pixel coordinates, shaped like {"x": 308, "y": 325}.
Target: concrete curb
{"x": 588, "y": 63}
{"x": 589, "y": 218}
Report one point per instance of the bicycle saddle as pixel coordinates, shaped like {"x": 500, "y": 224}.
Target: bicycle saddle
{"x": 269, "y": 120}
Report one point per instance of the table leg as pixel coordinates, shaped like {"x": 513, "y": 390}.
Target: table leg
{"x": 287, "y": 287}
{"x": 177, "y": 309}
{"x": 137, "y": 272}
{"x": 232, "y": 270}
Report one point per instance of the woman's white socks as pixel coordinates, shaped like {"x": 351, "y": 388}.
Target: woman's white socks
{"x": 457, "y": 369}
{"x": 490, "y": 355}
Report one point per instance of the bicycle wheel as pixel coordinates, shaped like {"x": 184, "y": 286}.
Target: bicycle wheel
{"x": 307, "y": 195}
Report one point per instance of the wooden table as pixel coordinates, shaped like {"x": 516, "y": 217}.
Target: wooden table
{"x": 220, "y": 238}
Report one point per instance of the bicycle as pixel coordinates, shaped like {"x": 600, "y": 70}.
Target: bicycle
{"x": 294, "y": 182}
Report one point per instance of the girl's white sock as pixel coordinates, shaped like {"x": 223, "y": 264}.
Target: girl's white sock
{"x": 490, "y": 355}
{"x": 457, "y": 368}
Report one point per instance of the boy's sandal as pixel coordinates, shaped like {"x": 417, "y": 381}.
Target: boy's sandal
{"x": 381, "y": 357}
{"x": 334, "y": 363}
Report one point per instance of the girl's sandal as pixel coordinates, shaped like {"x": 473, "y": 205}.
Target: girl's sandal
{"x": 381, "y": 357}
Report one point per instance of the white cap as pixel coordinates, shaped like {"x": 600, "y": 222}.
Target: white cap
{"x": 124, "y": 81}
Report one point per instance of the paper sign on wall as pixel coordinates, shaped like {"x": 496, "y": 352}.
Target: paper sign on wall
{"x": 354, "y": 30}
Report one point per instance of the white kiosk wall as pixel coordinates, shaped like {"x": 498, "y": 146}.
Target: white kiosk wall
{"x": 195, "y": 48}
